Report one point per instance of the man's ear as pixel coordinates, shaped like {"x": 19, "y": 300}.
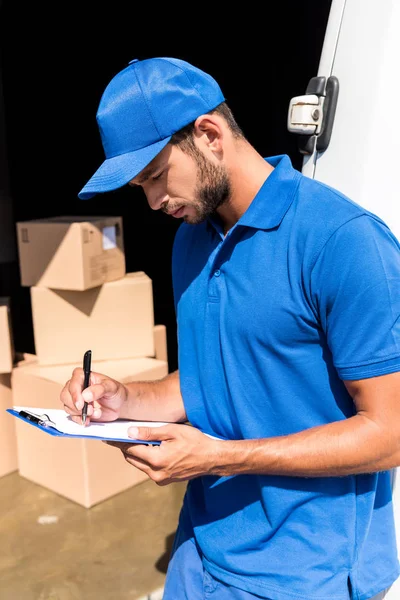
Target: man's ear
{"x": 209, "y": 130}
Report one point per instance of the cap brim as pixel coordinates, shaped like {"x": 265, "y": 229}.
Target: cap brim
{"x": 119, "y": 170}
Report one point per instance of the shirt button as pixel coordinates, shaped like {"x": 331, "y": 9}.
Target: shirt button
{"x": 217, "y": 273}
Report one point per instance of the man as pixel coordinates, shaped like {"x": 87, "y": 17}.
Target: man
{"x": 288, "y": 299}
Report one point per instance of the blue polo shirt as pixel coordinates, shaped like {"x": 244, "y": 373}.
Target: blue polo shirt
{"x": 301, "y": 294}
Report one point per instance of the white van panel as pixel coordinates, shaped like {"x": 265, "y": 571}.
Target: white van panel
{"x": 326, "y": 63}
{"x": 363, "y": 158}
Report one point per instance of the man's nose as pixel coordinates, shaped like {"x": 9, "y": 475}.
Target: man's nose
{"x": 156, "y": 201}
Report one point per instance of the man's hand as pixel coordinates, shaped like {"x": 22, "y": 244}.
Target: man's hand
{"x": 105, "y": 397}
{"x": 184, "y": 452}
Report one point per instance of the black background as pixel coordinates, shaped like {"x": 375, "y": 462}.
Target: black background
{"x": 56, "y": 60}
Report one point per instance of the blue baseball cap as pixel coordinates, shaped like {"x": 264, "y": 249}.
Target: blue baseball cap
{"x": 139, "y": 111}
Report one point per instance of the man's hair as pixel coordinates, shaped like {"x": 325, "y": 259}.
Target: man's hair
{"x": 184, "y": 137}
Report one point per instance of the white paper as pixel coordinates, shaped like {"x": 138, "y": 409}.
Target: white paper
{"x": 114, "y": 430}
{"x": 109, "y": 237}
{"x": 111, "y": 430}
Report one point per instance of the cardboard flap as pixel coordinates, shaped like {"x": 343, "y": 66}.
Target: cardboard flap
{"x": 122, "y": 370}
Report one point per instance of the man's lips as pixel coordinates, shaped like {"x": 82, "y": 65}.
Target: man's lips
{"x": 177, "y": 213}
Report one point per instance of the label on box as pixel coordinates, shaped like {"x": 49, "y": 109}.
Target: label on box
{"x": 24, "y": 235}
{"x": 109, "y": 237}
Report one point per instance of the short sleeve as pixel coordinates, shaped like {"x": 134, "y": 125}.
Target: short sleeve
{"x": 355, "y": 286}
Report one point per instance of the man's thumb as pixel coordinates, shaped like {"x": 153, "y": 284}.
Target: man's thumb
{"x": 146, "y": 433}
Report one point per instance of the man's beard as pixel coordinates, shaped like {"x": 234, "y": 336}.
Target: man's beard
{"x": 213, "y": 188}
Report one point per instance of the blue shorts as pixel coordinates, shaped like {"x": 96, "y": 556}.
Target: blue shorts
{"x": 186, "y": 577}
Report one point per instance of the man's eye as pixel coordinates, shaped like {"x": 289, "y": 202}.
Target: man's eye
{"x": 157, "y": 176}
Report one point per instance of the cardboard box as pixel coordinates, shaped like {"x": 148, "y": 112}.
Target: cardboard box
{"x": 114, "y": 321}
{"x": 70, "y": 253}
{"x": 160, "y": 342}
{"x": 24, "y": 358}
{"x": 86, "y": 471}
{"x": 8, "y": 440}
{"x": 6, "y": 338}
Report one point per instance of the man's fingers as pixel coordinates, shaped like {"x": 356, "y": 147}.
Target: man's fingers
{"x": 151, "y": 433}
{"x": 67, "y": 399}
{"x": 91, "y": 393}
{"x": 136, "y": 454}
{"x": 65, "y": 394}
{"x": 70, "y": 411}
{"x": 136, "y": 462}
{"x": 77, "y": 419}
{"x": 75, "y": 385}
{"x": 99, "y": 390}
{"x": 73, "y": 396}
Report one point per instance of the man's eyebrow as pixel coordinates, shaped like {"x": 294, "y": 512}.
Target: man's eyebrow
{"x": 148, "y": 172}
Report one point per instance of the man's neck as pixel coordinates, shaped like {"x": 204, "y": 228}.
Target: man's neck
{"x": 248, "y": 175}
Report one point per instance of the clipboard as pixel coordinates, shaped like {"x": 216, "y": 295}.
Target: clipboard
{"x": 57, "y": 423}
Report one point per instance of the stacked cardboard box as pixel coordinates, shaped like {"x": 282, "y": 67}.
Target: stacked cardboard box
{"x": 71, "y": 253}
{"x": 9, "y": 359}
{"x": 8, "y": 454}
{"x": 7, "y": 343}
{"x": 81, "y": 298}
{"x": 114, "y": 321}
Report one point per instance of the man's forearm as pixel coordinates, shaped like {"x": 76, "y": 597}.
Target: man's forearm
{"x": 158, "y": 400}
{"x": 355, "y": 445}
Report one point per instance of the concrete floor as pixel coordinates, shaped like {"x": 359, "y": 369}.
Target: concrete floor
{"x": 54, "y": 549}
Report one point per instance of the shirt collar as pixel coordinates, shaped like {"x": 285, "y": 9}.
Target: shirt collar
{"x": 273, "y": 199}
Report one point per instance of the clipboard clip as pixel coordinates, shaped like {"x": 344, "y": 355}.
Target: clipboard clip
{"x": 43, "y": 419}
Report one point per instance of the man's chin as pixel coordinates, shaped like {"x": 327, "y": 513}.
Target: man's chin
{"x": 193, "y": 220}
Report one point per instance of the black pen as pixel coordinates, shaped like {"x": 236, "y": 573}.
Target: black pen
{"x": 86, "y": 371}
